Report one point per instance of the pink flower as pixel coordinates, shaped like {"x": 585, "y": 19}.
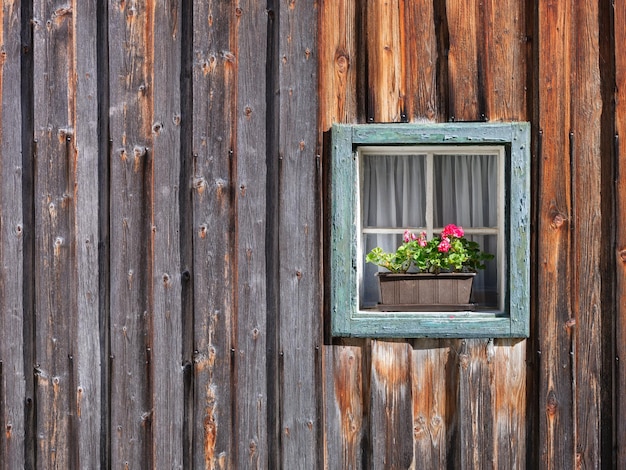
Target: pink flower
{"x": 444, "y": 245}
{"x": 408, "y": 236}
{"x": 422, "y": 239}
{"x": 452, "y": 230}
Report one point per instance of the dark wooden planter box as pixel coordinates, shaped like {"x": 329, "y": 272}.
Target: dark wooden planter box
{"x": 425, "y": 292}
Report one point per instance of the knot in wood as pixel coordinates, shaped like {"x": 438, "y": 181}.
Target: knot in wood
{"x": 622, "y": 255}
{"x": 552, "y": 404}
{"x": 557, "y": 221}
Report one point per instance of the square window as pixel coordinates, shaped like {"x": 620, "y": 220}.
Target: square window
{"x": 387, "y": 178}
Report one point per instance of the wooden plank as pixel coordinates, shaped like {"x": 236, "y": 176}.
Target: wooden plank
{"x": 163, "y": 20}
{"x": 385, "y": 86}
{"x": 131, "y": 166}
{"x": 337, "y": 62}
{"x": 250, "y": 398}
{"x": 83, "y": 94}
{"x": 55, "y": 256}
{"x": 504, "y": 48}
{"x": 344, "y": 426}
{"x": 587, "y": 234}
{"x": 299, "y": 316}
{"x": 12, "y": 372}
{"x": 434, "y": 390}
{"x": 419, "y": 46}
{"x": 344, "y": 418}
{"x": 504, "y": 75}
{"x": 463, "y": 61}
{"x": 391, "y": 415}
{"x": 213, "y": 192}
{"x": 554, "y": 310}
{"x": 620, "y": 237}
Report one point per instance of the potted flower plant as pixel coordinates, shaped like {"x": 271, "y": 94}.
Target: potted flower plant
{"x": 429, "y": 274}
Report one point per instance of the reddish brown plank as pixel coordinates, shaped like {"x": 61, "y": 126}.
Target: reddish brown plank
{"x": 504, "y": 49}
{"x": 385, "y": 76}
{"x": 420, "y": 55}
{"x": 463, "y": 69}
{"x": 620, "y": 235}
{"x": 554, "y": 309}
{"x": 390, "y": 414}
{"x": 337, "y": 62}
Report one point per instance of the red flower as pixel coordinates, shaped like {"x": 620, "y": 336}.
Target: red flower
{"x": 452, "y": 230}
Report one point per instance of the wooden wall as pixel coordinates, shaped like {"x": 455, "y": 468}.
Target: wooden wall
{"x": 162, "y": 220}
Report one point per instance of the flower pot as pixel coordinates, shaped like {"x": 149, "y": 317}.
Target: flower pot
{"x": 425, "y": 291}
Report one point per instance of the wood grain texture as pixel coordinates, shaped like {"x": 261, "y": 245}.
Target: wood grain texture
{"x": 385, "y": 87}
{"x": 620, "y": 237}
{"x": 433, "y": 374}
{"x": 12, "y": 372}
{"x": 55, "y": 257}
{"x": 251, "y": 214}
{"x": 587, "y": 234}
{"x": 337, "y": 62}
{"x": 555, "y": 342}
{"x": 131, "y": 95}
{"x": 390, "y": 413}
{"x": 420, "y": 57}
{"x": 213, "y": 192}
{"x": 344, "y": 408}
{"x": 299, "y": 329}
{"x": 504, "y": 48}
{"x": 86, "y": 348}
{"x": 165, "y": 322}
{"x": 464, "y": 91}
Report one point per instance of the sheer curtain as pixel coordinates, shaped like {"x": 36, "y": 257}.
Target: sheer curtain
{"x": 394, "y": 197}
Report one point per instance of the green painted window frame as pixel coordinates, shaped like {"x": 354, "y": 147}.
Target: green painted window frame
{"x": 347, "y": 319}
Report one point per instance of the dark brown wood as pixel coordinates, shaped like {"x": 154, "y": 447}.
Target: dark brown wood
{"x": 554, "y": 333}
{"x": 12, "y": 372}
{"x": 620, "y": 239}
{"x": 463, "y": 70}
{"x": 587, "y": 235}
{"x": 299, "y": 235}
{"x": 213, "y": 192}
{"x": 385, "y": 85}
{"x": 420, "y": 55}
{"x": 131, "y": 63}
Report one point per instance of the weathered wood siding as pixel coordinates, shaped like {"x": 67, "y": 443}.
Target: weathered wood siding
{"x": 162, "y": 235}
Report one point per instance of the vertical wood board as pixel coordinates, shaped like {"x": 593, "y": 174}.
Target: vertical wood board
{"x": 12, "y": 372}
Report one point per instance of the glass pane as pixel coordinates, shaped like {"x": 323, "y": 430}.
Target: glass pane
{"x": 369, "y": 286}
{"x": 394, "y": 191}
{"x": 466, "y": 190}
{"x": 485, "y": 288}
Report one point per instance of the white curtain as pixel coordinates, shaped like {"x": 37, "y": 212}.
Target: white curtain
{"x": 394, "y": 196}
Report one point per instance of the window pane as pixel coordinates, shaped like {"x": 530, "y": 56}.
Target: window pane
{"x": 394, "y": 191}
{"x": 369, "y": 286}
{"x": 466, "y": 190}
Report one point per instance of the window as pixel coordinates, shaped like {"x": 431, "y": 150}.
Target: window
{"x": 386, "y": 178}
